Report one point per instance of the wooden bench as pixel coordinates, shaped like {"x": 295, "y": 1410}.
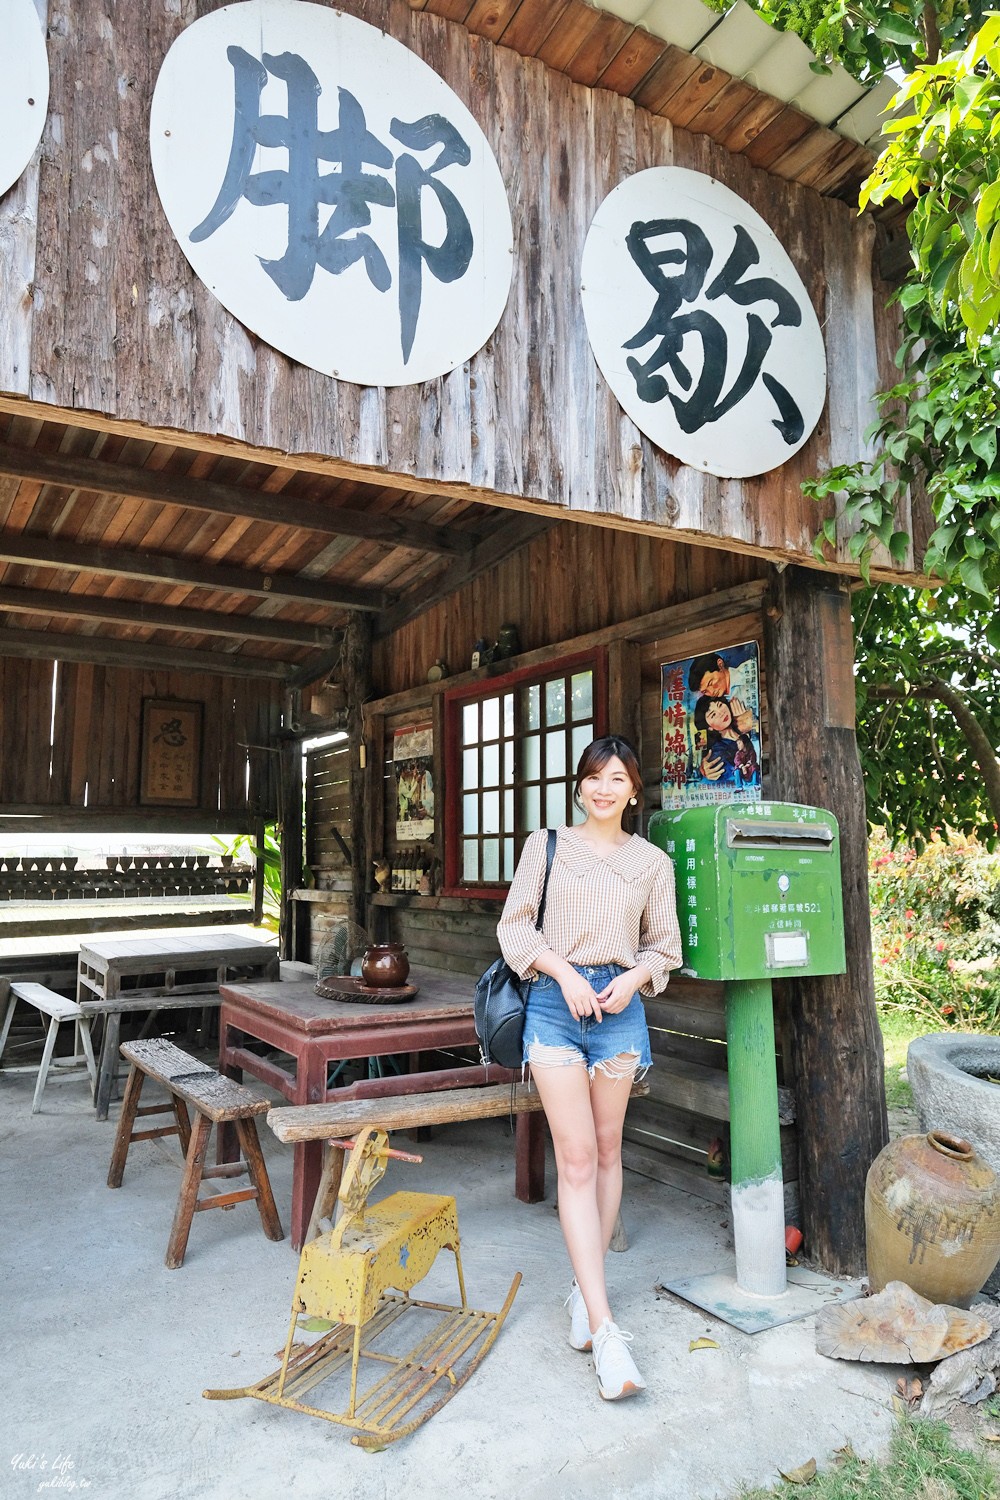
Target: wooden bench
{"x": 215, "y": 1100}
{"x": 337, "y": 1120}
{"x": 58, "y": 1009}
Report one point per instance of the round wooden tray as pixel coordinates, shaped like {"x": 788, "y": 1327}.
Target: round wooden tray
{"x": 349, "y": 987}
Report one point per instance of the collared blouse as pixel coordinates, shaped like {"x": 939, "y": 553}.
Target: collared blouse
{"x": 613, "y": 909}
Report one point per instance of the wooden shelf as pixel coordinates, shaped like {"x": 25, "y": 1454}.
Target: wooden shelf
{"x": 411, "y": 900}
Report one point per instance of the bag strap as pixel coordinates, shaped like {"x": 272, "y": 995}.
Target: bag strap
{"x": 550, "y": 850}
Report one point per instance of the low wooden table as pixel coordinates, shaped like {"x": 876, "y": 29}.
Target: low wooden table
{"x": 316, "y": 1032}
{"x": 173, "y": 972}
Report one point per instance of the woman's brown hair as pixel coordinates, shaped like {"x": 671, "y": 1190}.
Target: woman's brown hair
{"x": 596, "y": 757}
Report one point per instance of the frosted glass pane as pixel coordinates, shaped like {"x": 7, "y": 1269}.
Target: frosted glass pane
{"x": 508, "y": 713}
{"x": 555, "y": 702}
{"x": 555, "y": 753}
{"x": 530, "y": 809}
{"x": 582, "y": 692}
{"x": 530, "y": 707}
{"x": 470, "y": 723}
{"x": 582, "y": 736}
{"x": 470, "y": 860}
{"x": 508, "y": 859}
{"x": 555, "y": 803}
{"x": 508, "y": 763}
{"x": 470, "y": 768}
{"x": 491, "y": 765}
{"x": 491, "y": 718}
{"x": 508, "y": 810}
{"x": 470, "y": 814}
{"x": 491, "y": 859}
{"x": 491, "y": 812}
{"x": 531, "y": 767}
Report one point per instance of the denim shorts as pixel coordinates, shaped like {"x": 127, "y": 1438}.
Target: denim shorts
{"x": 549, "y": 1022}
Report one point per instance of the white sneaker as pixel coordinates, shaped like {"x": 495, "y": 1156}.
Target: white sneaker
{"x": 579, "y": 1328}
{"x": 617, "y": 1375}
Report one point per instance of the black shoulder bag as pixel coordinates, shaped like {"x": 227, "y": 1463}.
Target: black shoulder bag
{"x": 501, "y": 996}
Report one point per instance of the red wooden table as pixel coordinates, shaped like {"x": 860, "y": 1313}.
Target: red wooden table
{"x": 316, "y": 1032}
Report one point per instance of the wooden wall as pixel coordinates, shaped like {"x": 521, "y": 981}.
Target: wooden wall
{"x": 79, "y": 750}
{"x": 528, "y": 417}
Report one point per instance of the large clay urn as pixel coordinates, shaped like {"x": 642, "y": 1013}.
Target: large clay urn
{"x": 385, "y": 966}
{"x": 932, "y": 1217}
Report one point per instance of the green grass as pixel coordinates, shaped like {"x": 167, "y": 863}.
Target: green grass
{"x": 899, "y": 1027}
{"x": 924, "y": 1463}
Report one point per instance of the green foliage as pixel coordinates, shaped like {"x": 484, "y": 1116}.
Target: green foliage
{"x": 246, "y": 850}
{"x": 924, "y": 1463}
{"x": 936, "y": 931}
{"x": 918, "y": 767}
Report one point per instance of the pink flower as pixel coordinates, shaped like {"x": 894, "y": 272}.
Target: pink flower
{"x": 939, "y": 946}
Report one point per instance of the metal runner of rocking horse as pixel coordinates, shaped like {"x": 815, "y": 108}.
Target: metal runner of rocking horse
{"x": 354, "y": 1279}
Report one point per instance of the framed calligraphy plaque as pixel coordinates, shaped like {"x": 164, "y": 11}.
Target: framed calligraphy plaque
{"x": 170, "y": 773}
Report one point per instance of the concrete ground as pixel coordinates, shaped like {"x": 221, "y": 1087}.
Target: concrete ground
{"x": 105, "y": 1353}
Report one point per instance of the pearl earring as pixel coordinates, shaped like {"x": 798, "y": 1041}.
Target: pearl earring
{"x": 633, "y": 800}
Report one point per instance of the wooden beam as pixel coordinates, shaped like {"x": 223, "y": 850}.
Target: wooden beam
{"x": 358, "y": 688}
{"x": 127, "y": 921}
{"x": 36, "y": 552}
{"x": 105, "y": 652}
{"x": 509, "y": 536}
{"x": 162, "y": 616}
{"x": 23, "y": 818}
{"x": 836, "y": 1043}
{"x": 76, "y": 473}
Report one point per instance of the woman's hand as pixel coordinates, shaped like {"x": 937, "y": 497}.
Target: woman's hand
{"x": 615, "y": 996}
{"x": 580, "y": 997}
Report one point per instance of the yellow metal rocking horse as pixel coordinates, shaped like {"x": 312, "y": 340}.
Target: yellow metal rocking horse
{"x": 357, "y": 1277}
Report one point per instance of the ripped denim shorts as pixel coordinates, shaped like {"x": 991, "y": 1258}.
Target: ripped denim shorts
{"x": 549, "y": 1023}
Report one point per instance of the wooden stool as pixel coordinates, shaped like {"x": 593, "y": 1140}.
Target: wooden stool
{"x": 58, "y": 1009}
{"x": 214, "y": 1100}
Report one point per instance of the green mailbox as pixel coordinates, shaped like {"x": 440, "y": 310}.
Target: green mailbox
{"x": 758, "y": 888}
{"x": 758, "y": 895}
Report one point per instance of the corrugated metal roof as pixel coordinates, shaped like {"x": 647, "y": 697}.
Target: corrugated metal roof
{"x": 774, "y": 62}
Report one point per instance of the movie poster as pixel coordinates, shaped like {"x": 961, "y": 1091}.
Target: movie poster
{"x": 711, "y": 728}
{"x": 413, "y": 763}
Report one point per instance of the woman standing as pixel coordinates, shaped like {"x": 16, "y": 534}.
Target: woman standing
{"x": 610, "y": 933}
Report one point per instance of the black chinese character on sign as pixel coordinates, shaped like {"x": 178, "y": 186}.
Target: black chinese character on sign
{"x": 171, "y": 734}
{"x": 349, "y": 189}
{"x": 708, "y": 399}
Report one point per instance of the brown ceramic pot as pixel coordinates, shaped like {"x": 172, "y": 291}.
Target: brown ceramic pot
{"x": 932, "y": 1217}
{"x": 385, "y": 966}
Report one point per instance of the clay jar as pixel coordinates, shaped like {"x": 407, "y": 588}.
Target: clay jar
{"x": 932, "y": 1217}
{"x": 385, "y": 966}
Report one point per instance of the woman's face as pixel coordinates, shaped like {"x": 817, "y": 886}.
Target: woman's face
{"x": 718, "y": 715}
{"x": 605, "y": 794}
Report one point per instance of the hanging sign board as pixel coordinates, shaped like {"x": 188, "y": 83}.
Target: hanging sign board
{"x": 701, "y": 324}
{"x": 24, "y": 88}
{"x": 332, "y": 191}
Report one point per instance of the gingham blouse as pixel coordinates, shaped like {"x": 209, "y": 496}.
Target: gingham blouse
{"x": 619, "y": 909}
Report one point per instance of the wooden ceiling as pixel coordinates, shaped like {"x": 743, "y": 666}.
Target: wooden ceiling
{"x": 117, "y": 549}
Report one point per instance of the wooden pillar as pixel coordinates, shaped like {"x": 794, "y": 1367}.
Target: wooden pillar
{"x": 290, "y": 944}
{"x": 357, "y": 669}
{"x": 837, "y": 1045}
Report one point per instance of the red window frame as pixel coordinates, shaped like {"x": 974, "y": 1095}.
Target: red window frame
{"x": 491, "y": 687}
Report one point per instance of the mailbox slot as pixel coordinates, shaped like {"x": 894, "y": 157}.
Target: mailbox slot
{"x": 759, "y": 835}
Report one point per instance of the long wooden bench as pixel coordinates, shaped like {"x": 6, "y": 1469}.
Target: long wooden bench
{"x": 215, "y": 1100}
{"x": 337, "y": 1120}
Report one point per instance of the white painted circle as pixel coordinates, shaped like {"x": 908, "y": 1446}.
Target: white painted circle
{"x": 341, "y": 324}
{"x": 783, "y": 884}
{"x": 644, "y": 274}
{"x": 24, "y": 88}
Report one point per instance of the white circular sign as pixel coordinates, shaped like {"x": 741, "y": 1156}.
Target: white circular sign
{"x": 332, "y": 191}
{"x": 700, "y": 323}
{"x": 24, "y": 88}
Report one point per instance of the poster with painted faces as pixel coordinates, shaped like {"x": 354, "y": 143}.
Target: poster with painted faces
{"x": 711, "y": 728}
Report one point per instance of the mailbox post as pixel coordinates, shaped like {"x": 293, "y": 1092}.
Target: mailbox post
{"x": 759, "y": 894}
